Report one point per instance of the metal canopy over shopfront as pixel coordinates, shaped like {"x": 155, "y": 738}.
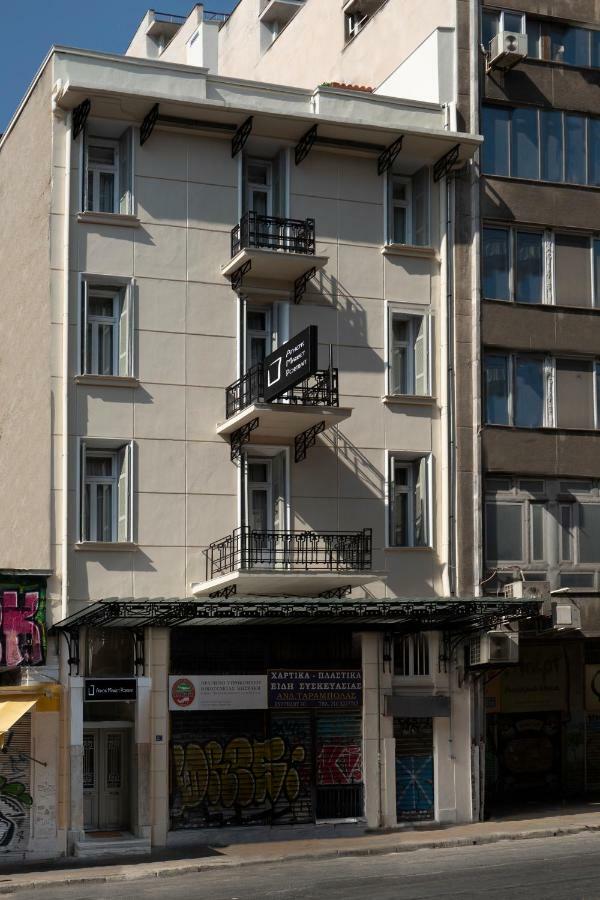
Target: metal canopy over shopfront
{"x": 449, "y": 615}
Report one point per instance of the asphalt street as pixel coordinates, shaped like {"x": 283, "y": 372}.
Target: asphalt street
{"x": 551, "y": 868}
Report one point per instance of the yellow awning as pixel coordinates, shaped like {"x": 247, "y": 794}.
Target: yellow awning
{"x": 10, "y": 712}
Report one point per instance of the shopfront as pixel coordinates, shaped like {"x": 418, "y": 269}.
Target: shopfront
{"x": 280, "y": 745}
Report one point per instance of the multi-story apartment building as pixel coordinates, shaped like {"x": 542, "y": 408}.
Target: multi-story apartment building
{"x": 526, "y": 76}
{"x": 245, "y": 555}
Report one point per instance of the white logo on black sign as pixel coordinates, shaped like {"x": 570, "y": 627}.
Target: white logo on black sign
{"x": 274, "y": 372}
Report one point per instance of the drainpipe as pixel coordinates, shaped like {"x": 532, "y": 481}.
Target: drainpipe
{"x": 450, "y": 387}
{"x": 65, "y": 374}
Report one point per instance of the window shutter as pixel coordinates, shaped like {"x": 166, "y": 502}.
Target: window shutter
{"x": 125, "y": 336}
{"x": 278, "y": 469}
{"x": 84, "y": 170}
{"x": 419, "y": 325}
{"x": 124, "y": 494}
{"x": 420, "y": 202}
{"x": 126, "y": 172}
{"x": 82, "y": 506}
{"x": 83, "y": 334}
{"x": 279, "y": 186}
{"x": 245, "y": 204}
{"x": 420, "y": 533}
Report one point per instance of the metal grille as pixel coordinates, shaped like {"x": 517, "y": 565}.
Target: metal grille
{"x": 114, "y": 763}
{"x": 321, "y": 389}
{"x": 273, "y": 233}
{"x": 331, "y": 551}
{"x": 89, "y": 768}
{"x": 339, "y": 765}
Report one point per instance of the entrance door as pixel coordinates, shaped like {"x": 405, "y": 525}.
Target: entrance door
{"x": 105, "y": 779}
{"x": 262, "y": 547}
{"x": 414, "y": 769}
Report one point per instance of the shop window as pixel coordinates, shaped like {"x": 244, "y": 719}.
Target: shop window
{"x": 106, "y": 335}
{"x": 105, "y": 495}
{"x": 107, "y": 183}
{"x": 408, "y": 209}
{"x": 409, "y": 502}
{"x": 409, "y": 351}
{"x": 110, "y": 652}
{"x": 567, "y": 150}
{"x": 411, "y": 655}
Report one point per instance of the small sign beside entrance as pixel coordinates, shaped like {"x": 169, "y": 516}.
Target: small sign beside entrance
{"x": 315, "y": 688}
{"x": 110, "y": 689}
{"x": 217, "y": 692}
{"x": 291, "y": 363}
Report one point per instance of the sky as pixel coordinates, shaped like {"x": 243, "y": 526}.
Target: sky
{"x": 31, "y": 29}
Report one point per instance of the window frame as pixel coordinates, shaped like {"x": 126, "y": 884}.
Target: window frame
{"x": 409, "y": 462}
{"x": 396, "y": 311}
{"x": 97, "y": 170}
{"x": 124, "y": 289}
{"x": 549, "y": 381}
{"x": 121, "y": 478}
{"x": 123, "y": 169}
{"x": 414, "y": 655}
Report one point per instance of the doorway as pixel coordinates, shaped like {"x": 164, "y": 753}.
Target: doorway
{"x": 265, "y": 509}
{"x": 106, "y": 779}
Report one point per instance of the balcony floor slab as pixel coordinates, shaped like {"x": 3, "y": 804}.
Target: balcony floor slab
{"x": 284, "y": 583}
{"x": 281, "y": 422}
{"x": 278, "y": 265}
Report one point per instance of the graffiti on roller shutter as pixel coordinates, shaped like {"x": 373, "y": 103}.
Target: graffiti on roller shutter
{"x": 339, "y": 764}
{"x": 240, "y": 774}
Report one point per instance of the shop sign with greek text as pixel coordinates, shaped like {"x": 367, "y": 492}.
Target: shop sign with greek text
{"x": 315, "y": 688}
{"x": 217, "y": 692}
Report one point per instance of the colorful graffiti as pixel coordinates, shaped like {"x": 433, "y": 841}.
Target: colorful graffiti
{"x": 242, "y": 773}
{"x": 22, "y": 627}
{"x": 15, "y": 804}
{"x": 339, "y": 764}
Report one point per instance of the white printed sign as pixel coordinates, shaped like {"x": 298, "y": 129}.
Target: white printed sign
{"x": 217, "y": 692}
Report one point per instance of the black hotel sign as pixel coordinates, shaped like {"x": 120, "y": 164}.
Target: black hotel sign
{"x": 110, "y": 689}
{"x": 291, "y": 363}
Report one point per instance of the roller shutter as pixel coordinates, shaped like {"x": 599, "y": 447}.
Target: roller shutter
{"x": 414, "y": 769}
{"x": 339, "y": 781}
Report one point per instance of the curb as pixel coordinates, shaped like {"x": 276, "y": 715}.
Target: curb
{"x": 158, "y": 871}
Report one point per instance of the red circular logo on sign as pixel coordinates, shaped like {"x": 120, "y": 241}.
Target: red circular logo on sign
{"x": 183, "y": 692}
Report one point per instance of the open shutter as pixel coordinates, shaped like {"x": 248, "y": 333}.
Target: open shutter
{"x": 125, "y": 337}
{"x": 126, "y": 172}
{"x": 420, "y": 533}
{"x": 419, "y": 325}
{"x": 279, "y": 184}
{"x": 83, "y": 333}
{"x": 420, "y": 204}
{"x": 124, "y": 530}
{"x": 278, "y": 469}
{"x": 84, "y": 171}
{"x": 83, "y": 536}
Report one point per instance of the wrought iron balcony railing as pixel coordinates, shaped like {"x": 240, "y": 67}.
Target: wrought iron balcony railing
{"x": 292, "y": 551}
{"x": 273, "y": 233}
{"x": 320, "y": 389}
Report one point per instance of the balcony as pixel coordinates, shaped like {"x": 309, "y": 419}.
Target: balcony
{"x": 287, "y": 563}
{"x": 314, "y": 400}
{"x": 276, "y": 248}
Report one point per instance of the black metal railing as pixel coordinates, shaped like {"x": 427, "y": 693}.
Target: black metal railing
{"x": 273, "y": 233}
{"x": 299, "y": 551}
{"x": 320, "y": 389}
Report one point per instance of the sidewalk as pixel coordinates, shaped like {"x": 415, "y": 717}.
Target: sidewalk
{"x": 201, "y": 857}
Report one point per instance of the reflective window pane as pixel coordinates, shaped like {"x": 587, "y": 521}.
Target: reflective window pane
{"x": 566, "y": 551}
{"x": 577, "y": 47}
{"x": 529, "y": 267}
{"x": 504, "y": 532}
{"x": 513, "y": 21}
{"x": 556, "y": 37}
{"x": 529, "y": 393}
{"x": 575, "y": 155}
{"x": 596, "y": 49}
{"x": 496, "y": 390}
{"x": 495, "y": 154}
{"x": 525, "y": 144}
{"x": 594, "y": 151}
{"x": 489, "y": 26}
{"x": 551, "y": 128}
{"x": 533, "y": 38}
{"x": 589, "y": 533}
{"x": 537, "y": 531}
{"x": 496, "y": 264}
{"x": 572, "y": 270}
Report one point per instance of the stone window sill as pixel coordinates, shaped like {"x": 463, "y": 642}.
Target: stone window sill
{"x": 108, "y": 380}
{"x": 100, "y": 218}
{"x": 408, "y": 399}
{"x": 93, "y": 546}
{"x": 409, "y": 250}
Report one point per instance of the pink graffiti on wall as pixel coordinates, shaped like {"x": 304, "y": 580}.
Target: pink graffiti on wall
{"x": 21, "y": 629}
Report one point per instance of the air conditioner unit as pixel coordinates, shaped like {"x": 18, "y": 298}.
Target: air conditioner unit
{"x": 507, "y": 49}
{"x": 494, "y": 648}
{"x": 565, "y": 615}
{"x": 527, "y": 590}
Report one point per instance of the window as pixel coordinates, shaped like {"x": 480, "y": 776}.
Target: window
{"x": 550, "y": 534}
{"x": 494, "y": 21}
{"x": 106, "y": 493}
{"x": 409, "y": 503}
{"x": 411, "y": 655}
{"x": 106, "y": 329}
{"x": 515, "y": 390}
{"x": 567, "y": 44}
{"x": 528, "y": 266}
{"x": 408, "y": 209}
{"x": 566, "y": 150}
{"x": 497, "y": 389}
{"x": 528, "y": 392}
{"x": 110, "y": 651}
{"x": 409, "y": 343}
{"x": 259, "y": 336}
{"x": 574, "y": 394}
{"x": 108, "y": 174}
